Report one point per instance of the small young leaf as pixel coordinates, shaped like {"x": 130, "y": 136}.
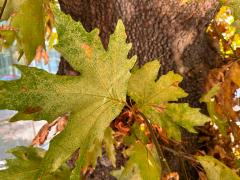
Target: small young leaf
{"x": 216, "y": 170}
{"x": 141, "y": 165}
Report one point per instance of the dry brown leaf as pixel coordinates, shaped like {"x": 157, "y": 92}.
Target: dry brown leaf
{"x": 218, "y": 151}
{"x": 61, "y": 123}
{"x": 202, "y": 176}
{"x": 162, "y": 134}
{"x": 42, "y": 134}
{"x": 40, "y": 138}
{"x": 41, "y": 53}
{"x": 228, "y": 77}
{"x": 171, "y": 176}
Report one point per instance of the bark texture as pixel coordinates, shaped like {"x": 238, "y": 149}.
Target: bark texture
{"x": 171, "y": 31}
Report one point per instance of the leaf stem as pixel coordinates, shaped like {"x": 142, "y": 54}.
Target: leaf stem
{"x": 3, "y": 7}
{"x": 155, "y": 141}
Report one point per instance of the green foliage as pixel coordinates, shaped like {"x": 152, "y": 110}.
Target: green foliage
{"x": 25, "y": 165}
{"x": 102, "y": 93}
{"x": 216, "y": 170}
{"x": 93, "y": 100}
{"x": 141, "y": 165}
{"x": 153, "y": 97}
{"x": 29, "y": 24}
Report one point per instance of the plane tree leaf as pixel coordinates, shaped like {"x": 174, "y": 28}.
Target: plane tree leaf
{"x": 92, "y": 99}
{"x": 141, "y": 165}
{"x": 216, "y": 170}
{"x": 152, "y": 98}
{"x": 104, "y": 77}
{"x": 29, "y": 25}
{"x": 25, "y": 165}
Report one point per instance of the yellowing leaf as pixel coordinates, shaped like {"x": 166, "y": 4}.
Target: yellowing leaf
{"x": 141, "y": 165}
{"x": 12, "y": 7}
{"x": 29, "y": 23}
{"x": 146, "y": 92}
{"x": 216, "y": 170}
{"x": 93, "y": 99}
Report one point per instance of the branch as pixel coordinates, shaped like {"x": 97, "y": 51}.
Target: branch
{"x": 155, "y": 141}
{"x": 3, "y": 7}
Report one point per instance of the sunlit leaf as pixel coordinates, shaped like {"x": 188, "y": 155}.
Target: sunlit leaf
{"x": 152, "y": 98}
{"x": 93, "y": 99}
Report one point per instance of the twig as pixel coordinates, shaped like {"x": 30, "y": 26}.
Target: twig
{"x": 180, "y": 154}
{"x": 155, "y": 141}
{"x": 2, "y": 9}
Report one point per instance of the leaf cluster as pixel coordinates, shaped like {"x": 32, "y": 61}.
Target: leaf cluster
{"x": 93, "y": 100}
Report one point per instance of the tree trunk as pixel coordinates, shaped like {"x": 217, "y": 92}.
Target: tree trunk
{"x": 172, "y": 31}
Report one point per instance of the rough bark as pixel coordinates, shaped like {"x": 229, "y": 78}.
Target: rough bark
{"x": 171, "y": 31}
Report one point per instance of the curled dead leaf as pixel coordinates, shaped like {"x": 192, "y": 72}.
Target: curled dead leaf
{"x": 162, "y": 134}
{"x": 202, "y": 176}
{"x": 42, "y": 134}
{"x": 227, "y": 77}
{"x": 41, "y": 137}
{"x": 41, "y": 53}
{"x": 171, "y": 176}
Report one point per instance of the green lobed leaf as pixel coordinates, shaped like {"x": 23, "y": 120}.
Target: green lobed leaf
{"x": 93, "y": 99}
{"x": 153, "y": 97}
{"x": 29, "y": 23}
{"x": 26, "y": 165}
{"x": 146, "y": 92}
{"x": 141, "y": 165}
{"x": 216, "y": 170}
